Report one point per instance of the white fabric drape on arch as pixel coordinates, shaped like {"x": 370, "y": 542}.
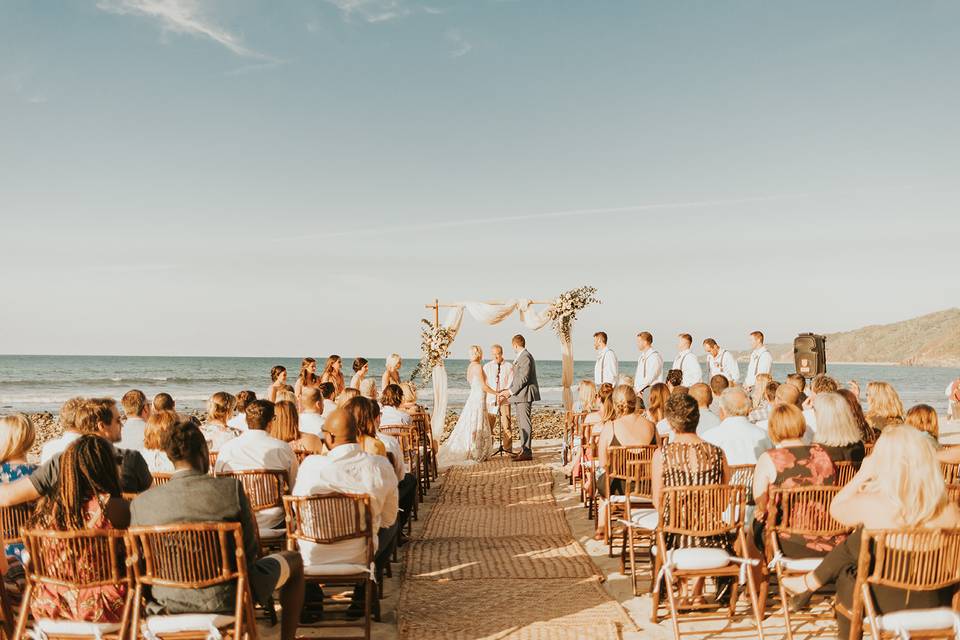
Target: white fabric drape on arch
{"x": 491, "y": 313}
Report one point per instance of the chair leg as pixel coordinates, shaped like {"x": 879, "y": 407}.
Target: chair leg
{"x": 754, "y": 604}
{"x": 784, "y": 604}
{"x": 655, "y": 591}
{"x": 367, "y": 604}
{"x": 672, "y": 601}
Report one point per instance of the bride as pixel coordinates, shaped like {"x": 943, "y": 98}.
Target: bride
{"x": 471, "y": 440}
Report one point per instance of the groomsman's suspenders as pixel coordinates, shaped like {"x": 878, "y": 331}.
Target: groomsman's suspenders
{"x": 603, "y": 361}
{"x": 645, "y": 358}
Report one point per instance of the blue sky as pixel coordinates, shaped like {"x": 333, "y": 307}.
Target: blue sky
{"x": 287, "y": 178}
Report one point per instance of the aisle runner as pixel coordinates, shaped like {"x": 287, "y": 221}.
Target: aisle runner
{"x": 496, "y": 559}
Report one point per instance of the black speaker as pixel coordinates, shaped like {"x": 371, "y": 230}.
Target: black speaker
{"x": 810, "y": 354}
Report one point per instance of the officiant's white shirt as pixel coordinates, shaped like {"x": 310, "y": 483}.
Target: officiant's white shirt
{"x": 724, "y": 364}
{"x": 761, "y": 361}
{"x": 606, "y": 369}
{"x": 506, "y": 377}
{"x": 649, "y": 370}
{"x": 687, "y": 362}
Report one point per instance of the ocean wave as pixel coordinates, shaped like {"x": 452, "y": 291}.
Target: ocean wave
{"x": 127, "y": 381}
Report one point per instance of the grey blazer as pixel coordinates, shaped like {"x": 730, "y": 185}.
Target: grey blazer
{"x": 524, "y": 387}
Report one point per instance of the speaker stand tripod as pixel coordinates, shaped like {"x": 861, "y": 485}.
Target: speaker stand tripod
{"x": 500, "y": 450}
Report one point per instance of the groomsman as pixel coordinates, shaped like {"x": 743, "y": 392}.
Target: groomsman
{"x": 649, "y": 364}
{"x": 499, "y": 374}
{"x": 761, "y": 360}
{"x": 721, "y": 361}
{"x": 687, "y": 362}
{"x": 606, "y": 369}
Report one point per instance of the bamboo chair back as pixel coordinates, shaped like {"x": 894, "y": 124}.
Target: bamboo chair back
{"x": 54, "y": 554}
{"x": 187, "y": 556}
{"x": 573, "y": 425}
{"x": 641, "y": 481}
{"x": 742, "y": 475}
{"x": 702, "y": 511}
{"x": 328, "y": 518}
{"x": 619, "y": 460}
{"x": 12, "y": 521}
{"x": 951, "y": 472}
{"x": 213, "y": 459}
{"x": 407, "y": 435}
{"x": 868, "y": 448}
{"x": 803, "y": 511}
{"x": 953, "y": 493}
{"x": 845, "y": 472}
{"x": 265, "y": 488}
{"x": 914, "y": 560}
{"x": 161, "y": 478}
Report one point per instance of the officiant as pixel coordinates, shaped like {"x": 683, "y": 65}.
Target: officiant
{"x": 499, "y": 374}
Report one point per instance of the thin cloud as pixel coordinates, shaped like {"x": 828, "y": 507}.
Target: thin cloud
{"x": 570, "y": 213}
{"x": 185, "y": 17}
{"x": 373, "y": 10}
{"x": 461, "y": 46}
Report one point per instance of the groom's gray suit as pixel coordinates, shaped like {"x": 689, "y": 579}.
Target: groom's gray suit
{"x": 524, "y": 391}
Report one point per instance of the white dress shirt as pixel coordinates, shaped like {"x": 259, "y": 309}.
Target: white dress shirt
{"x": 742, "y": 441}
{"x": 392, "y": 445}
{"x": 499, "y": 377}
{"x": 347, "y": 469}
{"x": 724, "y": 364}
{"x": 329, "y": 406}
{"x": 238, "y": 422}
{"x": 131, "y": 435}
{"x": 312, "y": 422}
{"x": 708, "y": 420}
{"x": 761, "y": 361}
{"x": 687, "y": 362}
{"x": 606, "y": 369}
{"x": 216, "y": 435}
{"x": 256, "y": 449}
{"x": 57, "y": 445}
{"x": 393, "y": 416}
{"x": 157, "y": 461}
{"x": 649, "y": 370}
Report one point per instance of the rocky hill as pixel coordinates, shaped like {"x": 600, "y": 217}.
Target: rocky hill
{"x": 931, "y": 340}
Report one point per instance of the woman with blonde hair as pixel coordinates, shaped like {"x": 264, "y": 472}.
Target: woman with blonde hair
{"x": 586, "y": 397}
{"x": 924, "y": 418}
{"x": 332, "y": 373}
{"x": 219, "y": 411}
{"x": 154, "y": 438}
{"x": 362, "y": 411}
{"x": 17, "y": 436}
{"x": 837, "y": 430}
{"x": 471, "y": 439}
{"x": 625, "y": 426}
{"x": 368, "y": 389}
{"x": 346, "y": 396}
{"x": 286, "y": 426}
{"x": 758, "y": 395}
{"x": 898, "y": 487}
{"x": 867, "y": 433}
{"x": 659, "y": 394}
{"x": 392, "y": 374}
{"x": 884, "y": 407}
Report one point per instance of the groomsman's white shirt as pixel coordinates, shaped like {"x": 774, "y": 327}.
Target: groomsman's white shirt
{"x": 506, "y": 377}
{"x": 725, "y": 364}
{"x": 649, "y": 370}
{"x": 687, "y": 362}
{"x": 761, "y": 361}
{"x": 606, "y": 369}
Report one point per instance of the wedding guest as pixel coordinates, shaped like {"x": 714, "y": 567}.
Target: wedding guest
{"x": 898, "y": 487}
{"x": 761, "y": 360}
{"x": 800, "y": 383}
{"x": 649, "y": 364}
{"x": 687, "y": 362}
{"x": 656, "y": 408}
{"x": 87, "y": 496}
{"x": 329, "y": 393}
{"x": 586, "y": 397}
{"x": 674, "y": 379}
{"x": 762, "y": 411}
{"x": 499, "y": 374}
{"x": 332, "y": 373}
{"x": 239, "y": 421}
{"x": 285, "y": 426}
{"x": 740, "y": 440}
{"x": 286, "y": 395}
{"x": 390, "y": 412}
{"x": 820, "y": 383}
{"x": 758, "y": 393}
{"x": 313, "y": 411}
{"x": 718, "y": 384}
{"x": 219, "y": 412}
{"x": 595, "y": 417}
{"x": 361, "y": 410}
{"x": 924, "y": 418}
{"x": 17, "y": 436}
{"x": 158, "y": 425}
{"x": 346, "y": 395}
{"x": 307, "y": 378}
{"x": 164, "y": 402}
{"x": 368, "y": 389}
{"x": 837, "y": 431}
{"x": 392, "y": 373}
{"x": 70, "y": 433}
{"x": 360, "y": 369}
{"x": 586, "y": 403}
{"x": 606, "y": 369}
{"x": 137, "y": 410}
{"x": 953, "y": 399}
{"x": 192, "y": 495}
{"x": 704, "y": 397}
{"x": 867, "y": 433}
{"x": 720, "y": 361}
{"x": 786, "y": 394}
{"x": 884, "y": 407}
{"x": 278, "y": 381}
{"x": 627, "y": 425}
{"x": 409, "y": 404}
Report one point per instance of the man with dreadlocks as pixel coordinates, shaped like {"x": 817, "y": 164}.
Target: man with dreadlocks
{"x": 87, "y": 496}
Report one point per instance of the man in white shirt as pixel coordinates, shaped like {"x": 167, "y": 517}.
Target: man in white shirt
{"x": 312, "y": 411}
{"x": 328, "y": 391}
{"x": 606, "y": 369}
{"x": 67, "y": 414}
{"x": 649, "y": 364}
{"x": 787, "y": 394}
{"x": 137, "y": 410}
{"x": 720, "y": 361}
{"x": 499, "y": 374}
{"x": 742, "y": 442}
{"x": 761, "y": 360}
{"x": 687, "y": 362}
{"x": 390, "y": 413}
{"x": 347, "y": 469}
{"x": 704, "y": 397}
{"x": 257, "y": 449}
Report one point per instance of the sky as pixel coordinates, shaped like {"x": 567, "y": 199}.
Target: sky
{"x": 241, "y": 177}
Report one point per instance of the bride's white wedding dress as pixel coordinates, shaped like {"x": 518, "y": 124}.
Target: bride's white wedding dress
{"x": 471, "y": 440}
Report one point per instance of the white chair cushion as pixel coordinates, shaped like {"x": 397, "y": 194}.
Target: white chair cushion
{"x": 919, "y": 620}
{"x": 72, "y": 628}
{"x": 623, "y": 499}
{"x": 182, "y": 622}
{"x": 698, "y": 559}
{"x": 271, "y": 534}
{"x": 339, "y": 569}
{"x": 800, "y": 564}
{"x": 643, "y": 519}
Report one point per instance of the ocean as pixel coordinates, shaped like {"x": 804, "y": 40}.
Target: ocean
{"x": 43, "y": 383}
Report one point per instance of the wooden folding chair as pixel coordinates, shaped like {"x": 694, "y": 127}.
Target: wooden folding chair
{"x": 264, "y": 489}
{"x": 845, "y": 471}
{"x": 572, "y": 431}
{"x": 868, "y": 448}
{"x": 588, "y": 475}
{"x": 328, "y": 519}
{"x": 408, "y": 437}
{"x": 213, "y": 460}
{"x": 800, "y": 511}
{"x": 697, "y": 512}
{"x": 190, "y": 556}
{"x": 617, "y": 467}
{"x": 640, "y": 518}
{"x": 951, "y": 472}
{"x": 80, "y": 562}
{"x": 910, "y": 560}
{"x": 162, "y": 478}
{"x": 12, "y": 521}
{"x": 422, "y": 422}
{"x": 953, "y": 492}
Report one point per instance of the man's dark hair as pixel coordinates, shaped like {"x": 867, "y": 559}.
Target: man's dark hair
{"x": 682, "y": 413}
{"x": 259, "y": 414}
{"x": 184, "y": 441}
{"x": 133, "y": 402}
{"x": 327, "y": 389}
{"x": 718, "y": 383}
{"x": 674, "y": 377}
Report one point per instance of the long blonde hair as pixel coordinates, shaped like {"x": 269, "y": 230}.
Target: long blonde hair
{"x": 836, "y": 426}
{"x": 625, "y": 401}
{"x": 909, "y": 474}
{"x": 924, "y": 417}
{"x": 286, "y": 421}
{"x": 883, "y": 404}
{"x": 587, "y": 395}
{"x": 17, "y": 435}
{"x": 758, "y": 395}
{"x": 659, "y": 394}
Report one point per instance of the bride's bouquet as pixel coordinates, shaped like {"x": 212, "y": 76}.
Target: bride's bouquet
{"x": 567, "y": 305}
{"x": 435, "y": 344}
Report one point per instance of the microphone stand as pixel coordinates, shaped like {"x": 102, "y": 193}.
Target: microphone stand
{"x": 500, "y": 450}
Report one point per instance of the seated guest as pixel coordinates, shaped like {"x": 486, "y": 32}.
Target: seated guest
{"x": 924, "y": 418}
{"x": 164, "y": 402}
{"x": 790, "y": 465}
{"x": 741, "y": 441}
{"x": 409, "y": 403}
{"x": 346, "y": 396}
{"x": 329, "y": 393}
{"x": 595, "y": 417}
{"x": 586, "y": 397}
{"x": 586, "y": 403}
{"x": 347, "y": 469}
{"x": 884, "y": 407}
{"x": 153, "y": 447}
{"x": 255, "y": 448}
{"x": 821, "y": 383}
{"x": 898, "y": 487}
{"x": 787, "y": 394}
{"x": 763, "y": 411}
{"x": 286, "y": 426}
{"x": 390, "y": 412}
{"x": 837, "y": 430}
{"x": 674, "y": 379}
{"x": 758, "y": 393}
{"x": 406, "y": 481}
{"x": 704, "y": 397}
{"x": 718, "y": 384}
{"x": 867, "y": 433}
{"x": 16, "y": 437}
{"x": 67, "y": 415}
{"x": 239, "y": 421}
{"x": 659, "y": 394}
{"x": 800, "y": 383}
{"x": 191, "y": 495}
{"x": 136, "y": 410}
{"x": 368, "y": 389}
{"x": 87, "y": 496}
{"x": 286, "y": 395}
{"x": 627, "y": 425}
{"x": 313, "y": 412}
{"x": 219, "y": 412}
{"x": 362, "y": 411}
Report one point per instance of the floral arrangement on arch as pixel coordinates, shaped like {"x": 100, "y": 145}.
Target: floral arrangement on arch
{"x": 567, "y": 305}
{"x": 435, "y": 344}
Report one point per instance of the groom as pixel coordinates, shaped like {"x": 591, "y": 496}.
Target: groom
{"x": 522, "y": 393}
